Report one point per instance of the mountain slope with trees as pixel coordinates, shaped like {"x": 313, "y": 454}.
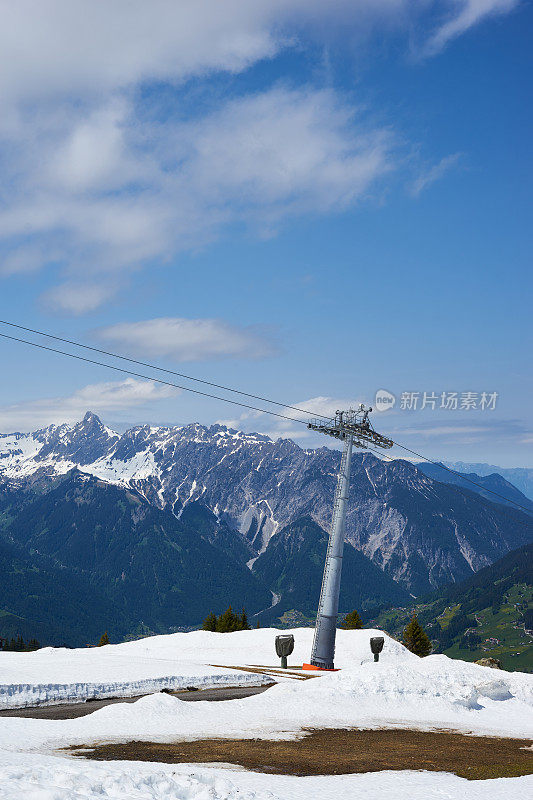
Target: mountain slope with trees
{"x": 485, "y": 615}
{"x": 153, "y": 571}
{"x": 292, "y": 567}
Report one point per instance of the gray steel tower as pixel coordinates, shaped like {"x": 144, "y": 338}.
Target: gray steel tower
{"x": 354, "y": 429}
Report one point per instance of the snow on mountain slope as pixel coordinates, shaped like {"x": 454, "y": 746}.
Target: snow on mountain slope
{"x": 422, "y": 532}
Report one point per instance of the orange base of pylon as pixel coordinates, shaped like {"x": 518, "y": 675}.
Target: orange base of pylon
{"x": 318, "y": 669}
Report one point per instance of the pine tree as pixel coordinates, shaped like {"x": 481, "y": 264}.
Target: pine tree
{"x": 416, "y": 639}
{"x": 258, "y": 624}
{"x": 210, "y": 622}
{"x": 352, "y": 622}
{"x": 104, "y": 639}
{"x": 226, "y": 621}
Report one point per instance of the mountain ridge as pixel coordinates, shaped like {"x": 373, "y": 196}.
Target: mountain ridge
{"x": 422, "y": 532}
{"x": 493, "y": 487}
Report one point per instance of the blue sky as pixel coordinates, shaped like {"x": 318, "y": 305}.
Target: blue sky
{"x": 308, "y": 201}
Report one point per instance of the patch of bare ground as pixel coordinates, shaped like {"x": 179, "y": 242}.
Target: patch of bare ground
{"x": 340, "y": 752}
{"x": 259, "y": 670}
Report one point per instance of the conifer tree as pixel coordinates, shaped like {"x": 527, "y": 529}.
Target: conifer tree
{"x": 226, "y": 621}
{"x": 352, "y": 622}
{"x": 416, "y": 639}
{"x": 104, "y": 639}
{"x": 210, "y": 622}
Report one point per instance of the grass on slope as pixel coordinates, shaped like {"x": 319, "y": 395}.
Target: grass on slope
{"x": 334, "y": 752}
{"x": 496, "y": 632}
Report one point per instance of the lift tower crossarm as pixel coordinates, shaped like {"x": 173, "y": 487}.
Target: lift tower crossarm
{"x": 355, "y": 423}
{"x": 354, "y": 429}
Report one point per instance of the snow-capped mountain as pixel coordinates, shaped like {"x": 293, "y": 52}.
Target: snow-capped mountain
{"x": 422, "y": 532}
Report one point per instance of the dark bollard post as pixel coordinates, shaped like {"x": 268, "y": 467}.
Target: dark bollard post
{"x": 376, "y": 645}
{"x": 284, "y": 647}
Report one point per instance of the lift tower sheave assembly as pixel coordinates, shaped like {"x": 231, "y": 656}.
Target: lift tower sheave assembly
{"x": 354, "y": 429}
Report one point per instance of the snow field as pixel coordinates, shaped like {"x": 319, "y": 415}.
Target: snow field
{"x": 52, "y": 778}
{"x": 399, "y": 691}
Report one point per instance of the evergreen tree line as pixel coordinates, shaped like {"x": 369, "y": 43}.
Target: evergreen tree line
{"x": 19, "y": 645}
{"x": 228, "y": 622}
{"x": 414, "y": 637}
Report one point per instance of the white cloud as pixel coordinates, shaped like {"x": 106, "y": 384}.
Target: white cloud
{"x": 91, "y": 48}
{"x": 324, "y": 406}
{"x": 463, "y": 430}
{"x": 95, "y": 182}
{"x": 109, "y": 397}
{"x": 25, "y": 259}
{"x": 468, "y": 13}
{"x": 77, "y": 298}
{"x": 50, "y": 47}
{"x": 444, "y": 430}
{"x": 117, "y": 192}
{"x": 303, "y": 412}
{"x": 285, "y": 151}
{"x": 434, "y": 173}
{"x": 188, "y": 339}
{"x": 94, "y": 154}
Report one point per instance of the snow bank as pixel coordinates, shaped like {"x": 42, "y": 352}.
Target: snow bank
{"x": 60, "y": 779}
{"x": 177, "y": 654}
{"x": 59, "y": 675}
{"x": 49, "y": 778}
{"x": 20, "y": 695}
{"x": 175, "y": 661}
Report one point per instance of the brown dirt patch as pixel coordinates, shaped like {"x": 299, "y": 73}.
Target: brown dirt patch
{"x": 337, "y": 752}
{"x": 258, "y": 670}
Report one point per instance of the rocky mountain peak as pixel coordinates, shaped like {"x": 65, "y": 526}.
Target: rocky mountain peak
{"x": 91, "y": 420}
{"x": 421, "y": 531}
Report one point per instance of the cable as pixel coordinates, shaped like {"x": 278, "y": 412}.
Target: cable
{"x": 217, "y": 397}
{"x": 161, "y": 369}
{"x": 463, "y": 477}
{"x": 507, "y": 499}
{"x": 148, "y": 378}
